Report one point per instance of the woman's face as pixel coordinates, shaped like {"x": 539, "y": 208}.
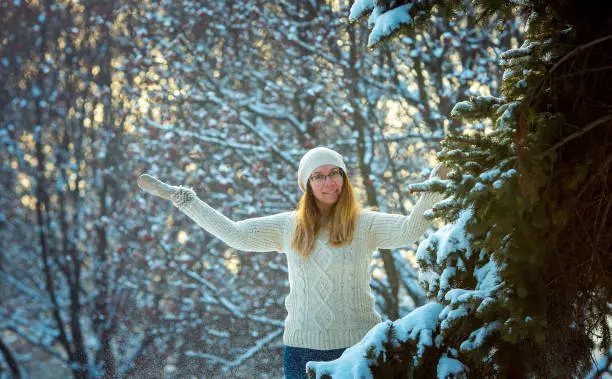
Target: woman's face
{"x": 326, "y": 183}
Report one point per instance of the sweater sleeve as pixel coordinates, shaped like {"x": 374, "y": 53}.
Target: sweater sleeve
{"x": 390, "y": 231}
{"x": 254, "y": 234}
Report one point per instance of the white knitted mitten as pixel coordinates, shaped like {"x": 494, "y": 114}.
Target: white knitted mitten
{"x": 440, "y": 171}
{"x": 178, "y": 195}
{"x": 155, "y": 186}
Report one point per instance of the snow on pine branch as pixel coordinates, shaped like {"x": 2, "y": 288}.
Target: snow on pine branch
{"x": 418, "y": 326}
{"x": 360, "y": 9}
{"x": 384, "y": 22}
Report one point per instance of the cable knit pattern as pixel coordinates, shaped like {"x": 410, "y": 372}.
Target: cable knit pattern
{"x": 323, "y": 314}
{"x": 330, "y": 305}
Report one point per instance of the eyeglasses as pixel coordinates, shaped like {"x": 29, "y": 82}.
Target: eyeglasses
{"x": 320, "y": 178}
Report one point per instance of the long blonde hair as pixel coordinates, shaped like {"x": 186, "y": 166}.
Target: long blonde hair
{"x": 342, "y": 220}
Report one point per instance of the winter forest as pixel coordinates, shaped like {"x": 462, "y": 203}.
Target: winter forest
{"x": 98, "y": 279}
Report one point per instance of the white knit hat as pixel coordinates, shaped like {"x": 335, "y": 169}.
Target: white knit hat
{"x": 317, "y": 157}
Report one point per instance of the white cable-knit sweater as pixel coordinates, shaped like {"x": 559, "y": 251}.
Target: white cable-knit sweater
{"x": 329, "y": 305}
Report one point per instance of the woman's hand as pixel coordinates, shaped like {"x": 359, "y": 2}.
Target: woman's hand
{"x": 156, "y": 187}
{"x": 440, "y": 171}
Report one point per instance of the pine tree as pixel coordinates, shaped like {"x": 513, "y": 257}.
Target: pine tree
{"x": 519, "y": 277}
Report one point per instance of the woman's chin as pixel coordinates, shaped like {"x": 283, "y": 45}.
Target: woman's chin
{"x": 327, "y": 202}
{"x": 330, "y": 202}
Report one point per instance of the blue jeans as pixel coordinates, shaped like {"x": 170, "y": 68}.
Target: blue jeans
{"x": 295, "y": 359}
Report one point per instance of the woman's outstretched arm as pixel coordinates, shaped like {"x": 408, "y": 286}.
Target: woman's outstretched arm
{"x": 254, "y": 234}
{"x": 391, "y": 231}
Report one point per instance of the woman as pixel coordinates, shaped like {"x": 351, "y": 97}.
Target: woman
{"x": 328, "y": 241}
